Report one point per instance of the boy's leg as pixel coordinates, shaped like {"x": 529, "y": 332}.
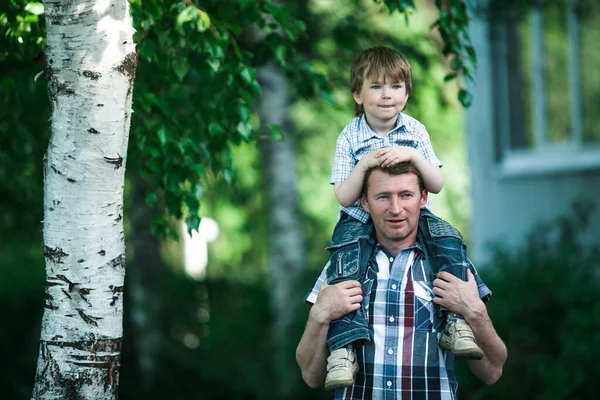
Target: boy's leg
{"x": 352, "y": 328}
{"x": 446, "y": 251}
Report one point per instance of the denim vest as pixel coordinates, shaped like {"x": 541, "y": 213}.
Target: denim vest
{"x": 351, "y": 250}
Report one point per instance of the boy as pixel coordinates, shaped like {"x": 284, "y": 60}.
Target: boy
{"x": 380, "y": 135}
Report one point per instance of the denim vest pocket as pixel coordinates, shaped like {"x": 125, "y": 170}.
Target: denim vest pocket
{"x": 344, "y": 264}
{"x": 427, "y": 319}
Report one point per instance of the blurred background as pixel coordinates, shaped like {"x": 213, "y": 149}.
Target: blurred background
{"x": 218, "y": 315}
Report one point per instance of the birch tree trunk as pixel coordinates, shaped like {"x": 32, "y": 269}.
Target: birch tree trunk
{"x": 91, "y": 63}
{"x": 286, "y": 240}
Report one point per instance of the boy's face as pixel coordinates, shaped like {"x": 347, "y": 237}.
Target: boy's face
{"x": 382, "y": 100}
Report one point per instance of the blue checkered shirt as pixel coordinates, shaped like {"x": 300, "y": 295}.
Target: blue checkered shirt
{"x": 358, "y": 139}
{"x": 403, "y": 360}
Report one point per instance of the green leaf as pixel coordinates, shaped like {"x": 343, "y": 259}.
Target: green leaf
{"x": 181, "y": 67}
{"x": 246, "y": 74}
{"x": 450, "y": 76}
{"x": 162, "y": 136}
{"x": 456, "y": 63}
{"x": 203, "y": 21}
{"x": 193, "y": 223}
{"x": 243, "y": 111}
{"x": 150, "y": 200}
{"x": 465, "y": 98}
{"x": 186, "y": 15}
{"x": 35, "y": 8}
{"x": 276, "y": 132}
{"x": 244, "y": 129}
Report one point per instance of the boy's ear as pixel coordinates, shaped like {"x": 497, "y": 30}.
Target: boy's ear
{"x": 357, "y": 98}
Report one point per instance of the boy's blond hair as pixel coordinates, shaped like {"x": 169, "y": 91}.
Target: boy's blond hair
{"x": 375, "y": 62}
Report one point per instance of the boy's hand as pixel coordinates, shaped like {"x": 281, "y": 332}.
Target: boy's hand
{"x": 370, "y": 160}
{"x": 391, "y": 156}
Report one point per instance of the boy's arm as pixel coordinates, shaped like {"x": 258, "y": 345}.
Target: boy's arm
{"x": 432, "y": 174}
{"x": 349, "y": 191}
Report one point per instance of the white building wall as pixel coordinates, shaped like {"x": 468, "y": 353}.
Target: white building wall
{"x": 507, "y": 205}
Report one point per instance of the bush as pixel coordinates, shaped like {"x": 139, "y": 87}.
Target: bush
{"x": 546, "y": 307}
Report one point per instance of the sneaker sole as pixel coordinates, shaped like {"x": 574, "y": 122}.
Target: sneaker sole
{"x": 471, "y": 354}
{"x": 339, "y": 384}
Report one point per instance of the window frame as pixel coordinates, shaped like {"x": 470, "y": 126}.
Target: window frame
{"x": 543, "y": 157}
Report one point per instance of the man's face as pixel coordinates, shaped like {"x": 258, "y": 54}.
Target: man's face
{"x": 394, "y": 203}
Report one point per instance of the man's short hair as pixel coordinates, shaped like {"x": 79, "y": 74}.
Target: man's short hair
{"x": 398, "y": 169}
{"x": 374, "y": 62}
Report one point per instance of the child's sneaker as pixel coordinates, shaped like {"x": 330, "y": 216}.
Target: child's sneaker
{"x": 341, "y": 368}
{"x": 459, "y": 339}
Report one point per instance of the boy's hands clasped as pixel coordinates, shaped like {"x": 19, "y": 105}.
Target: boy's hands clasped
{"x": 388, "y": 157}
{"x": 391, "y": 156}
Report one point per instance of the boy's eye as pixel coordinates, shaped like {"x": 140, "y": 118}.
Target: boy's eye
{"x": 397, "y": 86}
{"x": 375, "y": 87}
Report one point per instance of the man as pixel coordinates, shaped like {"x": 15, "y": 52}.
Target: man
{"x": 403, "y": 358}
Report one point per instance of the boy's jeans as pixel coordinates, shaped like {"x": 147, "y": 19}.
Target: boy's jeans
{"x": 351, "y": 249}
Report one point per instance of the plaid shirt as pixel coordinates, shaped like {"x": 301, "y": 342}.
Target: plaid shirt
{"x": 358, "y": 139}
{"x": 403, "y": 359}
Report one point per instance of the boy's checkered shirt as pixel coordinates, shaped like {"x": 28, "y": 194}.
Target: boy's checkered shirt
{"x": 403, "y": 359}
{"x": 358, "y": 139}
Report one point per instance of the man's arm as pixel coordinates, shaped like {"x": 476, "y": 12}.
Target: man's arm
{"x": 462, "y": 298}
{"x": 332, "y": 303}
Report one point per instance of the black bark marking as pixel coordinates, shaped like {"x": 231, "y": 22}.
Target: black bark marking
{"x": 65, "y": 279}
{"x": 88, "y": 319}
{"x": 128, "y": 66}
{"x": 92, "y": 75}
{"x": 63, "y": 88}
{"x": 80, "y": 261}
{"x": 102, "y": 252}
{"x": 56, "y": 337}
{"x": 71, "y": 180}
{"x": 56, "y": 170}
{"x": 51, "y": 209}
{"x": 56, "y": 202}
{"x": 48, "y": 297}
{"x": 100, "y": 105}
{"x": 120, "y": 217}
{"x": 117, "y": 262}
{"x": 55, "y": 255}
{"x": 92, "y": 130}
{"x": 67, "y": 294}
{"x": 116, "y": 161}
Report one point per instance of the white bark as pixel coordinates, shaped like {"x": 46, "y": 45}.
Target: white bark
{"x": 286, "y": 240}
{"x": 91, "y": 62}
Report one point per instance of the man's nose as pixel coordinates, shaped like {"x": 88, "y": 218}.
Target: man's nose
{"x": 395, "y": 207}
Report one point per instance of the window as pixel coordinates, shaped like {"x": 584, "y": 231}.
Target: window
{"x": 548, "y": 88}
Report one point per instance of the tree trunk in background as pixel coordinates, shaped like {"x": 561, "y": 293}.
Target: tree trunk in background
{"x": 91, "y": 63}
{"x": 285, "y": 233}
{"x": 144, "y": 272}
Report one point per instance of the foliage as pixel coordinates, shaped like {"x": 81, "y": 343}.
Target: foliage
{"x": 453, "y": 24}
{"x": 24, "y": 113}
{"x": 196, "y": 89}
{"x": 546, "y": 307}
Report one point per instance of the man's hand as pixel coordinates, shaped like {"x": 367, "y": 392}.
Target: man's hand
{"x": 457, "y": 295}
{"x": 335, "y": 301}
{"x": 391, "y": 156}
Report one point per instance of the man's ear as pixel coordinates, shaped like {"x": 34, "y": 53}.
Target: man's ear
{"x": 364, "y": 203}
{"x": 357, "y": 98}
{"x": 424, "y": 195}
